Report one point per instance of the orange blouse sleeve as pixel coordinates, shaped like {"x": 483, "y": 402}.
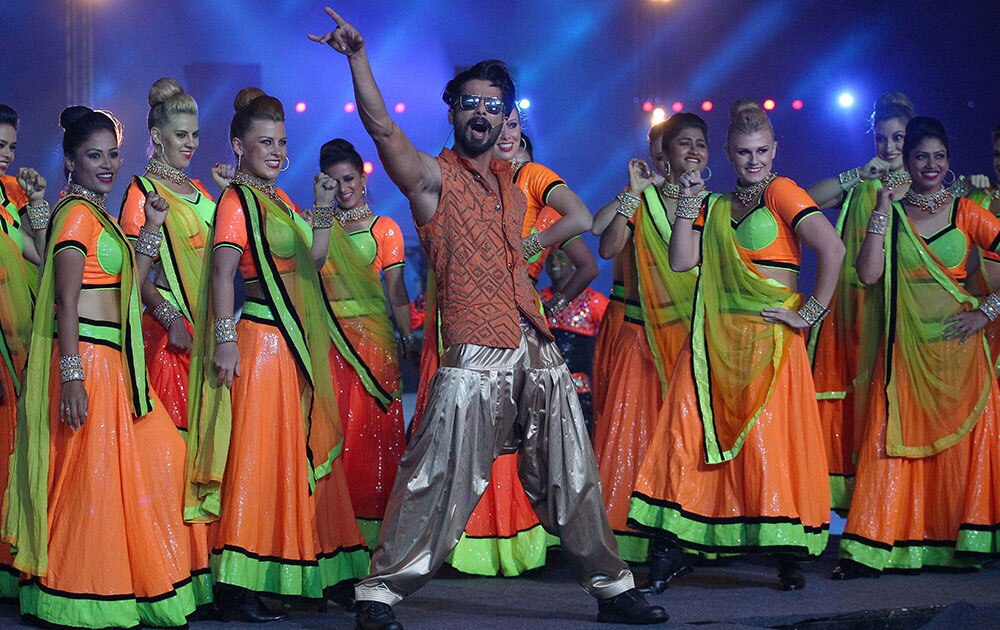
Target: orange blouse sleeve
{"x": 79, "y": 231}
{"x": 391, "y": 250}
{"x": 982, "y": 227}
{"x": 788, "y": 201}
{"x": 201, "y": 188}
{"x": 538, "y": 182}
{"x": 230, "y": 222}
{"x": 133, "y": 214}
{"x": 14, "y": 191}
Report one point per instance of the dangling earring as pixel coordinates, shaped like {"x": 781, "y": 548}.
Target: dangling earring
{"x": 239, "y": 161}
{"x": 524, "y": 145}
{"x": 668, "y": 169}
{"x": 953, "y": 178}
{"x": 288, "y": 165}
{"x": 364, "y": 192}
{"x": 709, "y": 169}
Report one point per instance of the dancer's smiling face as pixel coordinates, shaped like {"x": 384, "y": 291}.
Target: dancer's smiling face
{"x": 8, "y": 144}
{"x": 927, "y": 164}
{"x": 751, "y": 155}
{"x": 95, "y": 163}
{"x": 687, "y": 151}
{"x": 476, "y": 130}
{"x": 889, "y": 136}
{"x": 509, "y": 142}
{"x": 179, "y": 139}
{"x": 263, "y": 149}
{"x": 351, "y": 184}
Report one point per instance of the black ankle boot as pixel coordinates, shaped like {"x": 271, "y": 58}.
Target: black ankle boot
{"x": 631, "y": 608}
{"x": 851, "y": 570}
{"x": 341, "y": 594}
{"x": 239, "y": 604}
{"x": 790, "y": 576}
{"x": 666, "y": 562}
{"x": 375, "y": 616}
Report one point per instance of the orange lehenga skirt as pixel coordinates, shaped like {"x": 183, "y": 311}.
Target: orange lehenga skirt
{"x": 9, "y": 576}
{"x": 274, "y": 535}
{"x": 630, "y": 409}
{"x": 772, "y": 497}
{"x": 374, "y": 441}
{"x": 118, "y": 549}
{"x": 613, "y": 318}
{"x": 937, "y": 511}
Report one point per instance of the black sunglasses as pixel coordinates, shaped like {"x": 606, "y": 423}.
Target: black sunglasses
{"x": 493, "y": 104}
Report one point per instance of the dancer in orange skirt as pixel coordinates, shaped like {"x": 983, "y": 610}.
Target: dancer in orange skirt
{"x": 636, "y": 227}
{"x": 930, "y": 458}
{"x": 841, "y": 373}
{"x": 363, "y": 354}
{"x": 172, "y": 295}
{"x": 264, "y": 432}
{"x": 735, "y": 464}
{"x": 20, "y": 242}
{"x": 94, "y": 502}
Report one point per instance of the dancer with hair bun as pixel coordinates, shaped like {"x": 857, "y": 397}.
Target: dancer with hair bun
{"x": 264, "y": 433}
{"x": 735, "y": 464}
{"x": 930, "y": 457}
{"x": 841, "y": 373}
{"x": 94, "y": 502}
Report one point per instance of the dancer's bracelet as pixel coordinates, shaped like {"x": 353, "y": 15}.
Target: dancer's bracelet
{"x": 991, "y": 306}
{"x": 627, "y": 204}
{"x": 225, "y": 330}
{"x": 960, "y": 188}
{"x": 148, "y": 243}
{"x": 531, "y": 246}
{"x": 70, "y": 368}
{"x": 166, "y": 313}
{"x": 556, "y": 303}
{"x": 813, "y": 311}
{"x": 322, "y": 217}
{"x": 38, "y": 215}
{"x": 878, "y": 223}
{"x": 688, "y": 207}
{"x": 850, "y": 179}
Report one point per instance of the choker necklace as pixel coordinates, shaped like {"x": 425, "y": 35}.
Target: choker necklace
{"x": 354, "y": 214}
{"x": 896, "y": 178}
{"x": 97, "y": 199}
{"x": 671, "y": 191}
{"x": 167, "y": 172}
{"x": 930, "y": 203}
{"x": 242, "y": 178}
{"x": 748, "y": 194}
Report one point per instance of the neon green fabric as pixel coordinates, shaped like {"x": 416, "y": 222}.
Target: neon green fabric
{"x": 292, "y": 577}
{"x": 26, "y": 516}
{"x": 16, "y": 302}
{"x": 509, "y": 557}
{"x": 913, "y": 556}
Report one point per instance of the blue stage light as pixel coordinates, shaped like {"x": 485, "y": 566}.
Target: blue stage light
{"x": 845, "y": 100}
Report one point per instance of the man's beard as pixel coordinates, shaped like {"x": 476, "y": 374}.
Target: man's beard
{"x": 471, "y": 148}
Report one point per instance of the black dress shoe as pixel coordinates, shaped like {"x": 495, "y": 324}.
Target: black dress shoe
{"x": 665, "y": 565}
{"x": 850, "y": 570}
{"x": 630, "y": 607}
{"x": 342, "y": 594}
{"x": 375, "y": 616}
{"x": 238, "y": 604}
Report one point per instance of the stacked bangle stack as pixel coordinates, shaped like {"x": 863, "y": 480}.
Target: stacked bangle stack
{"x": 878, "y": 223}
{"x": 225, "y": 330}
{"x": 960, "y": 188}
{"x": 531, "y": 246}
{"x": 991, "y": 306}
{"x": 38, "y": 215}
{"x": 166, "y": 313}
{"x": 557, "y": 303}
{"x": 148, "y": 243}
{"x": 322, "y": 217}
{"x": 850, "y": 179}
{"x": 70, "y": 368}
{"x": 688, "y": 207}
{"x": 627, "y": 204}
{"x": 813, "y": 312}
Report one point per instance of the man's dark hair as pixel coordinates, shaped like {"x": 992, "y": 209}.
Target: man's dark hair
{"x": 492, "y": 70}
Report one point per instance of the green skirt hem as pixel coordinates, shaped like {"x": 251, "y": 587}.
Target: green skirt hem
{"x": 970, "y": 550}
{"x": 726, "y": 536}
{"x": 9, "y": 582}
{"x": 509, "y": 557}
{"x": 632, "y": 547}
{"x": 284, "y": 577}
{"x": 169, "y": 610}
{"x": 841, "y": 491}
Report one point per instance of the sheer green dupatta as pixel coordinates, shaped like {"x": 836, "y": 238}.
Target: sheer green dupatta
{"x": 25, "y": 523}
{"x": 295, "y": 299}
{"x": 736, "y": 355}
{"x": 359, "y": 326}
{"x": 16, "y": 304}
{"x": 935, "y": 389}
{"x": 666, "y": 296}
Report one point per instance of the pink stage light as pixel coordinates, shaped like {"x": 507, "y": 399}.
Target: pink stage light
{"x": 399, "y": 108}
{"x": 349, "y": 108}
{"x": 797, "y": 104}
{"x": 677, "y": 106}
{"x": 369, "y": 167}
{"x": 706, "y": 106}
{"x": 769, "y": 104}
{"x": 647, "y": 106}
{"x": 300, "y": 107}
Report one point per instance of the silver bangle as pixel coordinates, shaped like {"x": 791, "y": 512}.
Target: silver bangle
{"x": 166, "y": 313}
{"x": 531, "y": 246}
{"x": 878, "y": 223}
{"x": 688, "y": 207}
{"x": 322, "y": 217}
{"x": 148, "y": 243}
{"x": 991, "y": 307}
{"x": 556, "y": 303}
{"x": 813, "y": 312}
{"x": 850, "y": 179}
{"x": 628, "y": 204}
{"x": 70, "y": 368}
{"x": 960, "y": 188}
{"x": 38, "y": 215}
{"x": 225, "y": 330}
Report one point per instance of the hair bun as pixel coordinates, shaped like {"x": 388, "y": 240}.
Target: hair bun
{"x": 742, "y": 107}
{"x": 246, "y": 96}
{"x": 72, "y": 114}
{"x": 162, "y": 90}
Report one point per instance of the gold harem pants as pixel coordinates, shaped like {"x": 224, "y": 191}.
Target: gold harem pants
{"x": 484, "y": 402}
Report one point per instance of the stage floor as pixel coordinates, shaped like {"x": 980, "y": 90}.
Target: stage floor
{"x": 739, "y": 594}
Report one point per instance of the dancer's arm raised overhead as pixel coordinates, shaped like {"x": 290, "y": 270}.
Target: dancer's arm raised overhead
{"x": 415, "y": 173}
